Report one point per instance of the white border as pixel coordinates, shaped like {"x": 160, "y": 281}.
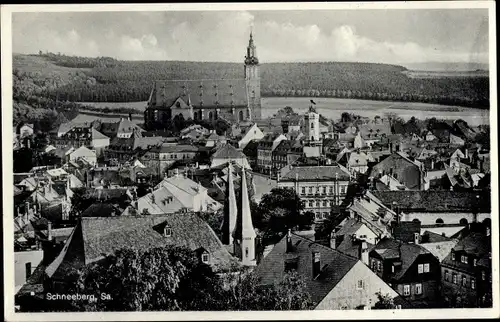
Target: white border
{"x": 6, "y": 60}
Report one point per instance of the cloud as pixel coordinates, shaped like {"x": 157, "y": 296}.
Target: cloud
{"x": 223, "y": 36}
{"x": 287, "y": 42}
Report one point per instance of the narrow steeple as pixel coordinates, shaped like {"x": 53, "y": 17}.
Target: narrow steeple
{"x": 230, "y": 209}
{"x": 246, "y": 214}
{"x": 244, "y": 234}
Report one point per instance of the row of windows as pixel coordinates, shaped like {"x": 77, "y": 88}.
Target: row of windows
{"x": 322, "y": 190}
{"x": 455, "y": 279}
{"x": 318, "y": 203}
{"x": 279, "y": 157}
{"x": 407, "y": 289}
{"x": 464, "y": 259}
{"x": 321, "y": 215}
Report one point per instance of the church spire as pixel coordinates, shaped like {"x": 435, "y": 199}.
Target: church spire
{"x": 251, "y": 57}
{"x": 245, "y": 234}
{"x": 230, "y": 209}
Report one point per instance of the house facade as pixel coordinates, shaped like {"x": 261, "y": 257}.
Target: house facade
{"x": 466, "y": 272}
{"x": 411, "y": 270}
{"x": 320, "y": 187}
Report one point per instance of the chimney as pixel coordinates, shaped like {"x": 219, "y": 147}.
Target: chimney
{"x": 363, "y": 256}
{"x": 333, "y": 240}
{"x": 289, "y": 247}
{"x": 49, "y": 230}
{"x": 316, "y": 264}
{"x": 416, "y": 238}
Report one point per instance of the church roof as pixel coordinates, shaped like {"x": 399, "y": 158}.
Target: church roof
{"x": 207, "y": 93}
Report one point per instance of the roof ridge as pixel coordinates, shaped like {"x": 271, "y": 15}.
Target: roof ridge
{"x": 316, "y": 243}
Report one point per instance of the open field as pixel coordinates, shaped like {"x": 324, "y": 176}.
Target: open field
{"x": 140, "y": 106}
{"x": 333, "y": 108}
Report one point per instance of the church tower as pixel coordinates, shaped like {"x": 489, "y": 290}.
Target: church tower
{"x": 244, "y": 234}
{"x": 230, "y": 209}
{"x": 252, "y": 79}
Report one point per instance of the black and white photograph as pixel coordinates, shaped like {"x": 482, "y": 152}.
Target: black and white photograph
{"x": 220, "y": 160}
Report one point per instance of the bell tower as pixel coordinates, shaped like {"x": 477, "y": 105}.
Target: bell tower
{"x": 252, "y": 79}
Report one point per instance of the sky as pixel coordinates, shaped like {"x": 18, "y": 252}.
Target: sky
{"x": 395, "y": 36}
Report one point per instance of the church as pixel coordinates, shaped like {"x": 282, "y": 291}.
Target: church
{"x": 208, "y": 99}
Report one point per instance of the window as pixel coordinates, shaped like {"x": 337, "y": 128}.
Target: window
{"x": 426, "y": 268}
{"x": 420, "y": 268}
{"x": 452, "y": 255}
{"x": 324, "y": 203}
{"x": 310, "y": 190}
{"x": 464, "y": 259}
{"x": 331, "y": 190}
{"x": 311, "y": 204}
{"x": 483, "y": 275}
{"x": 464, "y": 280}
{"x": 379, "y": 266}
{"x": 167, "y": 231}
{"x": 406, "y": 290}
{"x": 374, "y": 265}
{"x": 205, "y": 258}
{"x": 246, "y": 252}
{"x": 475, "y": 261}
{"x": 303, "y": 190}
{"x": 418, "y": 289}
{"x": 28, "y": 270}
{"x": 472, "y": 283}
{"x": 361, "y": 284}
{"x": 454, "y": 278}
{"x": 398, "y": 306}
{"x": 446, "y": 276}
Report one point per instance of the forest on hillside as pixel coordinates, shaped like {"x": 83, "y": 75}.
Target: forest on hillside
{"x": 50, "y": 80}
{"x": 111, "y": 80}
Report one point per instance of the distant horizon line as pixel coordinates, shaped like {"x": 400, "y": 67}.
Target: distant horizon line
{"x": 267, "y": 62}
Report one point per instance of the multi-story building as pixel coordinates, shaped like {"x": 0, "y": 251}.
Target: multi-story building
{"x": 409, "y": 269}
{"x": 265, "y": 150}
{"x": 466, "y": 272}
{"x": 285, "y": 153}
{"x": 82, "y": 135}
{"x": 320, "y": 187}
{"x": 163, "y": 156}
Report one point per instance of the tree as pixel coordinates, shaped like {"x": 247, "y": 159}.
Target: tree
{"x": 385, "y": 302}
{"x": 279, "y": 211}
{"x": 247, "y": 293}
{"x": 159, "y": 279}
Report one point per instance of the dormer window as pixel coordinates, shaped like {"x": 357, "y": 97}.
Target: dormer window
{"x": 205, "y": 258}
{"x": 167, "y": 231}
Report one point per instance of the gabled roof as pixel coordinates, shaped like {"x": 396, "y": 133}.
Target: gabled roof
{"x": 406, "y": 253}
{"x": 316, "y": 173}
{"x": 440, "y": 249}
{"x": 436, "y": 201}
{"x": 477, "y": 244}
{"x": 200, "y": 93}
{"x": 96, "y": 237}
{"x": 334, "y": 265}
{"x": 227, "y": 151}
{"x": 96, "y": 135}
